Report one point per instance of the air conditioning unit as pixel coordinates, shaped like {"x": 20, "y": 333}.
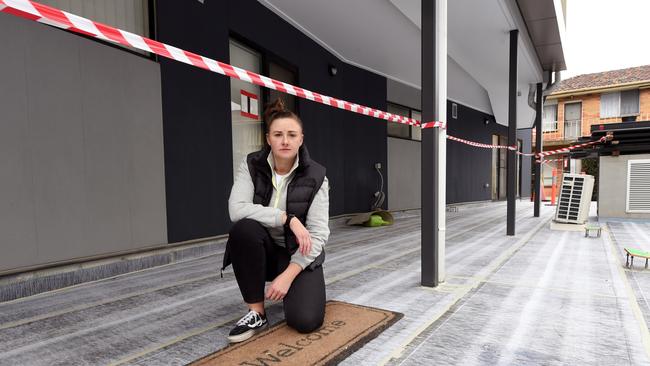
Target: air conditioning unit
{"x": 575, "y": 198}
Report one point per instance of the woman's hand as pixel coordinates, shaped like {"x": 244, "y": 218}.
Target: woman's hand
{"x": 281, "y": 284}
{"x": 302, "y": 236}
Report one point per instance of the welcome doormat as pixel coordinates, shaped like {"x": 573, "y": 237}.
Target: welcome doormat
{"x": 346, "y": 328}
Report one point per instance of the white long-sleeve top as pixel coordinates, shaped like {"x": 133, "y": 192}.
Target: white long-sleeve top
{"x": 241, "y": 206}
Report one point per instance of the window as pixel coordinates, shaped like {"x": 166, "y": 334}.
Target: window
{"x": 629, "y": 103}
{"x": 245, "y": 105}
{"x": 572, "y": 120}
{"x": 619, "y": 104}
{"x": 547, "y": 175}
{"x": 402, "y": 130}
{"x": 279, "y": 72}
{"x": 499, "y": 176}
{"x": 247, "y": 100}
{"x": 549, "y": 118}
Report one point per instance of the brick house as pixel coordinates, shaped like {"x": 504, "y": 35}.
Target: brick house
{"x": 573, "y": 105}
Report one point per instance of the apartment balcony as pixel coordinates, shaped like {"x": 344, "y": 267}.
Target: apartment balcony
{"x": 561, "y": 133}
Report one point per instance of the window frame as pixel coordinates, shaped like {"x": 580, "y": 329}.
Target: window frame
{"x": 619, "y": 113}
{"x": 638, "y": 103}
{"x": 410, "y": 115}
{"x": 555, "y": 121}
{"x": 564, "y": 136}
{"x": 268, "y": 57}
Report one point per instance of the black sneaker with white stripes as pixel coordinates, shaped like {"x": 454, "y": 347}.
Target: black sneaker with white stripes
{"x": 247, "y": 326}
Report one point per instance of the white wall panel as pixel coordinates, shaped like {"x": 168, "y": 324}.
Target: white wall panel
{"x": 613, "y": 175}
{"x": 404, "y": 174}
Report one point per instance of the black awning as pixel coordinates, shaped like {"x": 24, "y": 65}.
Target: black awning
{"x": 623, "y": 138}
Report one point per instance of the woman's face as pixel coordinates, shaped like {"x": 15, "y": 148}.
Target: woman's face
{"x": 285, "y": 138}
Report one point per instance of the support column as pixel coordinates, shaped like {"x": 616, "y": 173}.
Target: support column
{"x": 434, "y": 140}
{"x": 538, "y": 148}
{"x": 511, "y": 182}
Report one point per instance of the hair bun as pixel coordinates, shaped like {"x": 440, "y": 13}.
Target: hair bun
{"x": 274, "y": 108}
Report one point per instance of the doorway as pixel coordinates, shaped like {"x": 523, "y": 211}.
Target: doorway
{"x": 499, "y": 168}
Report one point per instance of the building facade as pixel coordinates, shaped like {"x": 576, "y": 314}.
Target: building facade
{"x": 624, "y": 168}
{"x": 109, "y": 150}
{"x": 574, "y": 105}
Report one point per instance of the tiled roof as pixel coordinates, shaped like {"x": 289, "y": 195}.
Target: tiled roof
{"x": 604, "y": 79}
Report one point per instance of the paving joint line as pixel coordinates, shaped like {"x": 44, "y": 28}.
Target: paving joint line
{"x": 491, "y": 268}
{"x": 632, "y": 299}
{"x": 332, "y": 280}
{"x": 327, "y": 282}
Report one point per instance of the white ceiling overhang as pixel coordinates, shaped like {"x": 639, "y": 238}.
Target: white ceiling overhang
{"x": 383, "y": 36}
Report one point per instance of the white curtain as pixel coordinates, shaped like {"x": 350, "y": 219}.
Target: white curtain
{"x": 549, "y": 118}
{"x": 610, "y": 105}
{"x": 630, "y": 102}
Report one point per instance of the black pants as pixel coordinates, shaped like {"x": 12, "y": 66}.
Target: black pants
{"x": 257, "y": 259}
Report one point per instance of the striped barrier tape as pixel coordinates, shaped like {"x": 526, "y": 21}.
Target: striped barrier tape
{"x": 58, "y": 18}
{"x": 549, "y": 161}
{"x": 567, "y": 149}
{"x": 527, "y": 154}
{"x": 61, "y": 19}
{"x": 433, "y": 124}
{"x": 478, "y": 144}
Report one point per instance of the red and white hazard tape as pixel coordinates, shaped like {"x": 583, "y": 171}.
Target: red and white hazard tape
{"x": 526, "y": 154}
{"x": 61, "y": 19}
{"x": 549, "y": 161}
{"x": 569, "y": 148}
{"x": 478, "y": 144}
{"x": 433, "y": 124}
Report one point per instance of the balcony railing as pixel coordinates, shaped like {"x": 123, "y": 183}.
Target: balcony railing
{"x": 572, "y": 129}
{"x": 549, "y": 126}
{"x": 565, "y": 132}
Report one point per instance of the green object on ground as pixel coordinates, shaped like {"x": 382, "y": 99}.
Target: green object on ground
{"x": 376, "y": 220}
{"x": 631, "y": 253}
{"x": 366, "y": 219}
{"x": 637, "y": 252}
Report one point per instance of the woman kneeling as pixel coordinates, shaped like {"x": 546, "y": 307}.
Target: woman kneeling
{"x": 280, "y": 206}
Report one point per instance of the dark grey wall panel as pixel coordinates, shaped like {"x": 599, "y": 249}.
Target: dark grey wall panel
{"x": 196, "y": 119}
{"x": 56, "y": 140}
{"x": 197, "y": 113}
{"x": 146, "y": 166}
{"x": 105, "y": 167}
{"x": 470, "y": 168}
{"x": 82, "y": 131}
{"x": 18, "y": 238}
{"x": 526, "y": 137}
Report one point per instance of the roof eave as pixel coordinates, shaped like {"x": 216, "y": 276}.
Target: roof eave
{"x": 601, "y": 89}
